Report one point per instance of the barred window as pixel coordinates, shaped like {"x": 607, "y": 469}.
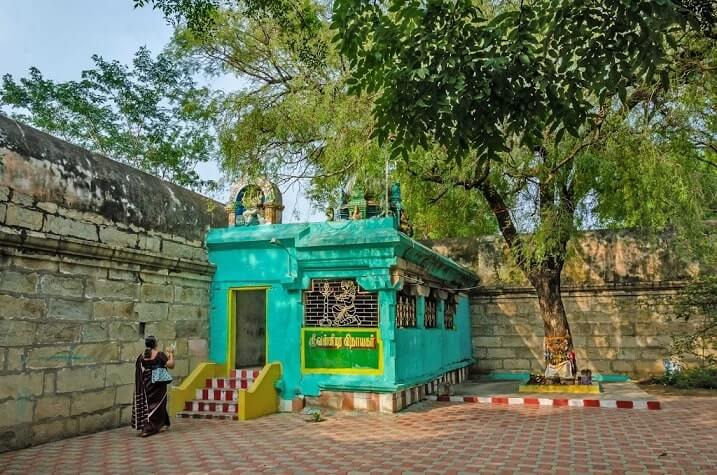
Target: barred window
{"x": 339, "y": 303}
{"x": 429, "y": 315}
{"x": 449, "y": 312}
{"x": 405, "y": 310}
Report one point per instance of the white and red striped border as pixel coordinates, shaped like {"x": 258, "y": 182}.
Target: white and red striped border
{"x": 534, "y": 401}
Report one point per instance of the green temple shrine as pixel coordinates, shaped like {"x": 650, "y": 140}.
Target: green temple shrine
{"x": 351, "y": 313}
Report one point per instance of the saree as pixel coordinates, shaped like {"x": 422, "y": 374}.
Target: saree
{"x": 149, "y": 407}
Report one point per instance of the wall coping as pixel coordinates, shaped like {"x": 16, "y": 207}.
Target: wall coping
{"x": 81, "y": 248}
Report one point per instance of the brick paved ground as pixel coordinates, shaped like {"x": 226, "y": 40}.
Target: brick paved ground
{"x": 429, "y": 437}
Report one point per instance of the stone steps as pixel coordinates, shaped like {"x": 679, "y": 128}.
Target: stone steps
{"x": 218, "y": 399}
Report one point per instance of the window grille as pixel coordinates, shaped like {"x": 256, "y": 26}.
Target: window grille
{"x": 405, "y": 310}
{"x": 449, "y": 312}
{"x": 339, "y": 303}
{"x": 429, "y": 315}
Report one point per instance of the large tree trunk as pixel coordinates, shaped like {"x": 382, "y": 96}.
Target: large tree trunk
{"x": 545, "y": 278}
{"x": 558, "y": 341}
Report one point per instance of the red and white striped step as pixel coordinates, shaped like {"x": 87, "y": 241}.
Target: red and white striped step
{"x": 218, "y": 399}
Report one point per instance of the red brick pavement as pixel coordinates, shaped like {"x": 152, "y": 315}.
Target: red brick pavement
{"x": 430, "y": 437}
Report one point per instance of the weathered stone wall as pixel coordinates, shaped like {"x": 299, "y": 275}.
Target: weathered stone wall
{"x": 618, "y": 290}
{"x": 93, "y": 256}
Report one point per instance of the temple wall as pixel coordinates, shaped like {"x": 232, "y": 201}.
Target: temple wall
{"x": 618, "y": 290}
{"x": 94, "y": 255}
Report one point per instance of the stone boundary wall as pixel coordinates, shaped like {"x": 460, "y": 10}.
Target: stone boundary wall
{"x": 618, "y": 291}
{"x": 93, "y": 256}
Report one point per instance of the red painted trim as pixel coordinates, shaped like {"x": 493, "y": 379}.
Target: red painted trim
{"x": 591, "y": 403}
{"x": 499, "y": 400}
{"x": 624, "y": 404}
{"x": 531, "y": 401}
{"x": 560, "y": 402}
{"x": 654, "y": 405}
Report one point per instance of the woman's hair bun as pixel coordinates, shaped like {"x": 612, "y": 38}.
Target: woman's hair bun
{"x": 150, "y": 342}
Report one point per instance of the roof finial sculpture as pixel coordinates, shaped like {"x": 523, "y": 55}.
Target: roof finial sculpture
{"x": 253, "y": 202}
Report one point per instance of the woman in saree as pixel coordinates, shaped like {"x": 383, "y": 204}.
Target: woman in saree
{"x": 149, "y": 408}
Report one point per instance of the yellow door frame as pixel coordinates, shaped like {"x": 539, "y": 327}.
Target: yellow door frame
{"x": 231, "y": 323}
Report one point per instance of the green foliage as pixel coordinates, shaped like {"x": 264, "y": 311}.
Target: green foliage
{"x": 149, "y": 115}
{"x": 698, "y": 304}
{"x": 691, "y": 378}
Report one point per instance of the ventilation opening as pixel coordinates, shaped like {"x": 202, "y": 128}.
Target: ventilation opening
{"x": 142, "y": 326}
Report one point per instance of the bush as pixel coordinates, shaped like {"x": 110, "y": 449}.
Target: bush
{"x": 690, "y": 378}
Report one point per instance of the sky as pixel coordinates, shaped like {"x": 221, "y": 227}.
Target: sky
{"x": 60, "y": 36}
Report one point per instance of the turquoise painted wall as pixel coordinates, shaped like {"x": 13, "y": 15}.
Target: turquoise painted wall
{"x": 430, "y": 352}
{"x": 365, "y": 250}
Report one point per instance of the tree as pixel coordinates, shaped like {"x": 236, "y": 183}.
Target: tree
{"x": 539, "y": 100}
{"x": 148, "y": 115}
{"x": 514, "y": 117}
{"x": 291, "y": 118}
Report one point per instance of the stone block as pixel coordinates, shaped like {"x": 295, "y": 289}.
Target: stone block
{"x": 95, "y": 353}
{"x": 4, "y": 193}
{"x": 185, "y": 312}
{"x": 19, "y": 282}
{"x": 197, "y": 348}
{"x": 490, "y": 364}
{"x": 112, "y": 289}
{"x": 48, "y": 333}
{"x": 157, "y": 293}
{"x": 124, "y": 394}
{"x": 648, "y": 329}
{"x": 96, "y": 422}
{"x": 23, "y": 218}
{"x": 500, "y": 353}
{"x": 520, "y": 364}
{"x": 93, "y": 332}
{"x": 49, "y": 357}
{"x": 69, "y": 309}
{"x": 162, "y": 330}
{"x": 627, "y": 353}
{"x": 523, "y": 341}
{"x": 182, "y": 346}
{"x": 92, "y": 401}
{"x": 596, "y": 341}
{"x": 121, "y": 274}
{"x": 175, "y": 249}
{"x": 487, "y": 341}
{"x": 15, "y": 359}
{"x": 125, "y": 416}
{"x": 21, "y": 307}
{"x": 70, "y": 227}
{"x": 16, "y": 412}
{"x": 619, "y": 366}
{"x": 62, "y": 286}
{"x": 150, "y": 312}
{"x": 50, "y": 431}
{"x": 191, "y": 295}
{"x": 86, "y": 269}
{"x": 36, "y": 263}
{"x": 190, "y": 328}
{"x": 49, "y": 407}
{"x": 21, "y": 386}
{"x": 80, "y": 379}
{"x": 120, "y": 374}
{"x": 181, "y": 368}
{"x": 47, "y": 206}
{"x": 113, "y": 310}
{"x": 149, "y": 243}
{"x": 662, "y": 341}
{"x": 654, "y": 354}
{"x": 645, "y": 368}
{"x": 159, "y": 276}
{"x": 49, "y": 385}
{"x": 22, "y": 199}
{"x": 130, "y": 351}
{"x": 16, "y": 333}
{"x": 115, "y": 237}
{"x": 124, "y": 331}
